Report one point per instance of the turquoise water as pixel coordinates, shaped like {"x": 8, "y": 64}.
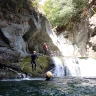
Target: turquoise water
{"x": 35, "y": 87}
{"x": 56, "y": 87}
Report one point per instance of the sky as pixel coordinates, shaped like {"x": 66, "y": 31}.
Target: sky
{"x": 42, "y": 2}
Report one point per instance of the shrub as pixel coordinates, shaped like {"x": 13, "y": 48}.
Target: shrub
{"x": 61, "y": 12}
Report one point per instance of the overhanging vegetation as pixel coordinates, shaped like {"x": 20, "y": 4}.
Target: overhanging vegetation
{"x": 60, "y": 12}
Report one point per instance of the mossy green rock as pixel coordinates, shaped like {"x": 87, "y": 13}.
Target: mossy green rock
{"x": 42, "y": 65}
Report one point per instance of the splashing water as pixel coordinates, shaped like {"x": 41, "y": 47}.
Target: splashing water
{"x": 81, "y": 67}
{"x": 88, "y": 67}
{"x": 72, "y": 67}
{"x": 59, "y": 68}
{"x": 75, "y": 67}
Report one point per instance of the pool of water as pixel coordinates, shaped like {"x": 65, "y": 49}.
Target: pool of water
{"x": 69, "y": 86}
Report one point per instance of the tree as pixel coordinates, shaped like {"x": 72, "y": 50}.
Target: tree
{"x": 60, "y": 12}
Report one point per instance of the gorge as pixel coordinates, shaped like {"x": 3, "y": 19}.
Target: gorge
{"x": 24, "y": 29}
{"x": 70, "y": 33}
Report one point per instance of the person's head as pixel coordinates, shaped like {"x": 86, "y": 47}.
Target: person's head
{"x": 34, "y": 52}
{"x": 48, "y": 75}
{"x": 44, "y": 43}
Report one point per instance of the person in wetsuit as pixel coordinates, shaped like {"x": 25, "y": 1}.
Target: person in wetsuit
{"x": 33, "y": 59}
{"x": 45, "y": 48}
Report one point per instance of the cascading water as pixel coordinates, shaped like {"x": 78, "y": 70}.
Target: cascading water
{"x": 87, "y": 67}
{"x": 59, "y": 67}
{"x": 73, "y": 66}
{"x": 81, "y": 67}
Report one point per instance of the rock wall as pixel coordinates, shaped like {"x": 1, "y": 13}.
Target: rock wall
{"x": 26, "y": 29}
{"x": 80, "y": 34}
{"x": 21, "y": 31}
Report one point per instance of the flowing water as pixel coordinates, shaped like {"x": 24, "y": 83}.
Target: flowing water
{"x": 57, "y": 87}
{"x": 78, "y": 81}
{"x": 59, "y": 68}
{"x": 74, "y": 67}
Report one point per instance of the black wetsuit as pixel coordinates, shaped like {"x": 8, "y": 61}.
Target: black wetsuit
{"x": 33, "y": 60}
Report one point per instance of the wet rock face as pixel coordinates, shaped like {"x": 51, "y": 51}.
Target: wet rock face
{"x": 11, "y": 41}
{"x": 20, "y": 32}
{"x": 79, "y": 36}
{"x": 8, "y": 73}
{"x": 82, "y": 34}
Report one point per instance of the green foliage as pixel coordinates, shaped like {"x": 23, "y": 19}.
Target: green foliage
{"x": 18, "y": 5}
{"x": 60, "y": 12}
{"x": 34, "y": 3}
{"x": 79, "y": 5}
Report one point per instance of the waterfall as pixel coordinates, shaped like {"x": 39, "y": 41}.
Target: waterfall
{"x": 87, "y": 67}
{"x": 74, "y": 67}
{"x": 71, "y": 65}
{"x": 59, "y": 68}
{"x": 64, "y": 45}
{"x": 81, "y": 67}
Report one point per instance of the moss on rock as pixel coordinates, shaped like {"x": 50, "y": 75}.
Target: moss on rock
{"x": 42, "y": 65}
